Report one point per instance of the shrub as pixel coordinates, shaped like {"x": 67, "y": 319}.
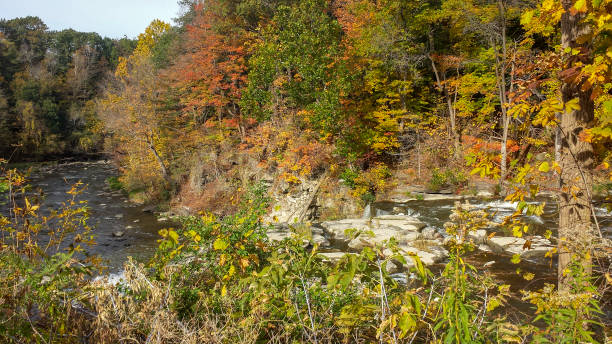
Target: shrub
{"x": 367, "y": 183}
{"x": 114, "y": 183}
{"x": 447, "y": 178}
{"x": 42, "y": 278}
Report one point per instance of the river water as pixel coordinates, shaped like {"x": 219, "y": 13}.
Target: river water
{"x": 110, "y": 210}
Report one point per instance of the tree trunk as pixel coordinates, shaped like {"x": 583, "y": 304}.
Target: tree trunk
{"x": 558, "y": 151}
{"x": 451, "y": 109}
{"x": 575, "y": 230}
{"x": 501, "y": 65}
{"x": 162, "y": 166}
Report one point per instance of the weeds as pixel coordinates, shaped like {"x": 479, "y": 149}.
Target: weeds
{"x": 220, "y": 280}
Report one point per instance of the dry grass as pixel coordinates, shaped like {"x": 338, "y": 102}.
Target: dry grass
{"x": 139, "y": 310}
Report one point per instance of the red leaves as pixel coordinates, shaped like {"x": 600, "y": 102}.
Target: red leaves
{"x": 213, "y": 70}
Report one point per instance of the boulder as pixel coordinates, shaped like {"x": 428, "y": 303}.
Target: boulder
{"x": 278, "y": 234}
{"x": 336, "y": 229}
{"x": 384, "y": 226}
{"x": 512, "y": 245}
{"x": 382, "y": 234}
{"x": 320, "y": 240}
{"x": 403, "y": 221}
{"x": 478, "y": 237}
{"x": 484, "y": 248}
{"x": 428, "y": 256}
{"x": 333, "y": 256}
{"x": 429, "y": 233}
{"x": 292, "y": 203}
{"x": 118, "y": 234}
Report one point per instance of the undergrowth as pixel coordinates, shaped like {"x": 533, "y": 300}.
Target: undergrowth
{"x": 220, "y": 280}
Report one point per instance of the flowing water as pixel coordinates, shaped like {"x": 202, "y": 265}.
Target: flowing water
{"x": 110, "y": 211}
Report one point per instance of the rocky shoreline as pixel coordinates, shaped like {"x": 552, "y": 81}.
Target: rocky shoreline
{"x": 411, "y": 235}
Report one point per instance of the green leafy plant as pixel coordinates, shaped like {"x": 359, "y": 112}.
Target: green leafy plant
{"x": 447, "y": 178}
{"x": 570, "y": 315}
{"x": 114, "y": 183}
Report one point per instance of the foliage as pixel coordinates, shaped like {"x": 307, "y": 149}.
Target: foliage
{"x": 42, "y": 280}
{"x": 569, "y": 315}
{"x": 447, "y": 178}
{"x": 48, "y": 80}
{"x": 114, "y": 183}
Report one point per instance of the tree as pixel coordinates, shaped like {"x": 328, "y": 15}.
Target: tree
{"x": 577, "y": 159}
{"x": 212, "y": 72}
{"x": 129, "y": 106}
{"x": 585, "y": 64}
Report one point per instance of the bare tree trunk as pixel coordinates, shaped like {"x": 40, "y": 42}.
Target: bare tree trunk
{"x": 501, "y": 65}
{"x": 451, "y": 108}
{"x": 575, "y": 229}
{"x": 162, "y": 165}
{"x": 558, "y": 152}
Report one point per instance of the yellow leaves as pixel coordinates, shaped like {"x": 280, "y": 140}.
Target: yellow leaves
{"x": 173, "y": 236}
{"x": 230, "y": 272}
{"x": 169, "y": 234}
{"x": 572, "y": 105}
{"x": 544, "y": 167}
{"x": 517, "y": 231}
{"x": 193, "y": 235}
{"x": 220, "y": 244}
{"x": 580, "y": 6}
{"x": 148, "y": 39}
{"x": 30, "y": 209}
{"x": 527, "y": 17}
{"x": 122, "y": 68}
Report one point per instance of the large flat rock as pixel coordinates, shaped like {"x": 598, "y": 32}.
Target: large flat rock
{"x": 382, "y": 235}
{"x": 512, "y": 245}
{"x": 384, "y": 226}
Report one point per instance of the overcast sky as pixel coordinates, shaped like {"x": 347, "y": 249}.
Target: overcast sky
{"x": 111, "y": 18}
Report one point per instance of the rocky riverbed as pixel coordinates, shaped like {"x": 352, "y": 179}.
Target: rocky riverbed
{"x": 415, "y": 221}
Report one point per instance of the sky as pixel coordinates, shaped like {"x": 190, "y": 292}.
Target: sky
{"x": 110, "y": 18}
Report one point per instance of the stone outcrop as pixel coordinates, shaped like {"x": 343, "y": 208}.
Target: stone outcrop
{"x": 292, "y": 204}
{"x": 374, "y": 231}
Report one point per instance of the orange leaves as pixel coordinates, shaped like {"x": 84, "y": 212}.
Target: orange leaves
{"x": 213, "y": 70}
{"x": 475, "y": 145}
{"x": 447, "y": 62}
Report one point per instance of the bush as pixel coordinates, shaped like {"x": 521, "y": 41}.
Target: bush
{"x": 114, "y": 183}
{"x": 368, "y": 183}
{"x": 447, "y": 178}
{"x": 42, "y": 278}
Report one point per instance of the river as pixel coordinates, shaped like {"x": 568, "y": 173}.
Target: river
{"x": 110, "y": 210}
